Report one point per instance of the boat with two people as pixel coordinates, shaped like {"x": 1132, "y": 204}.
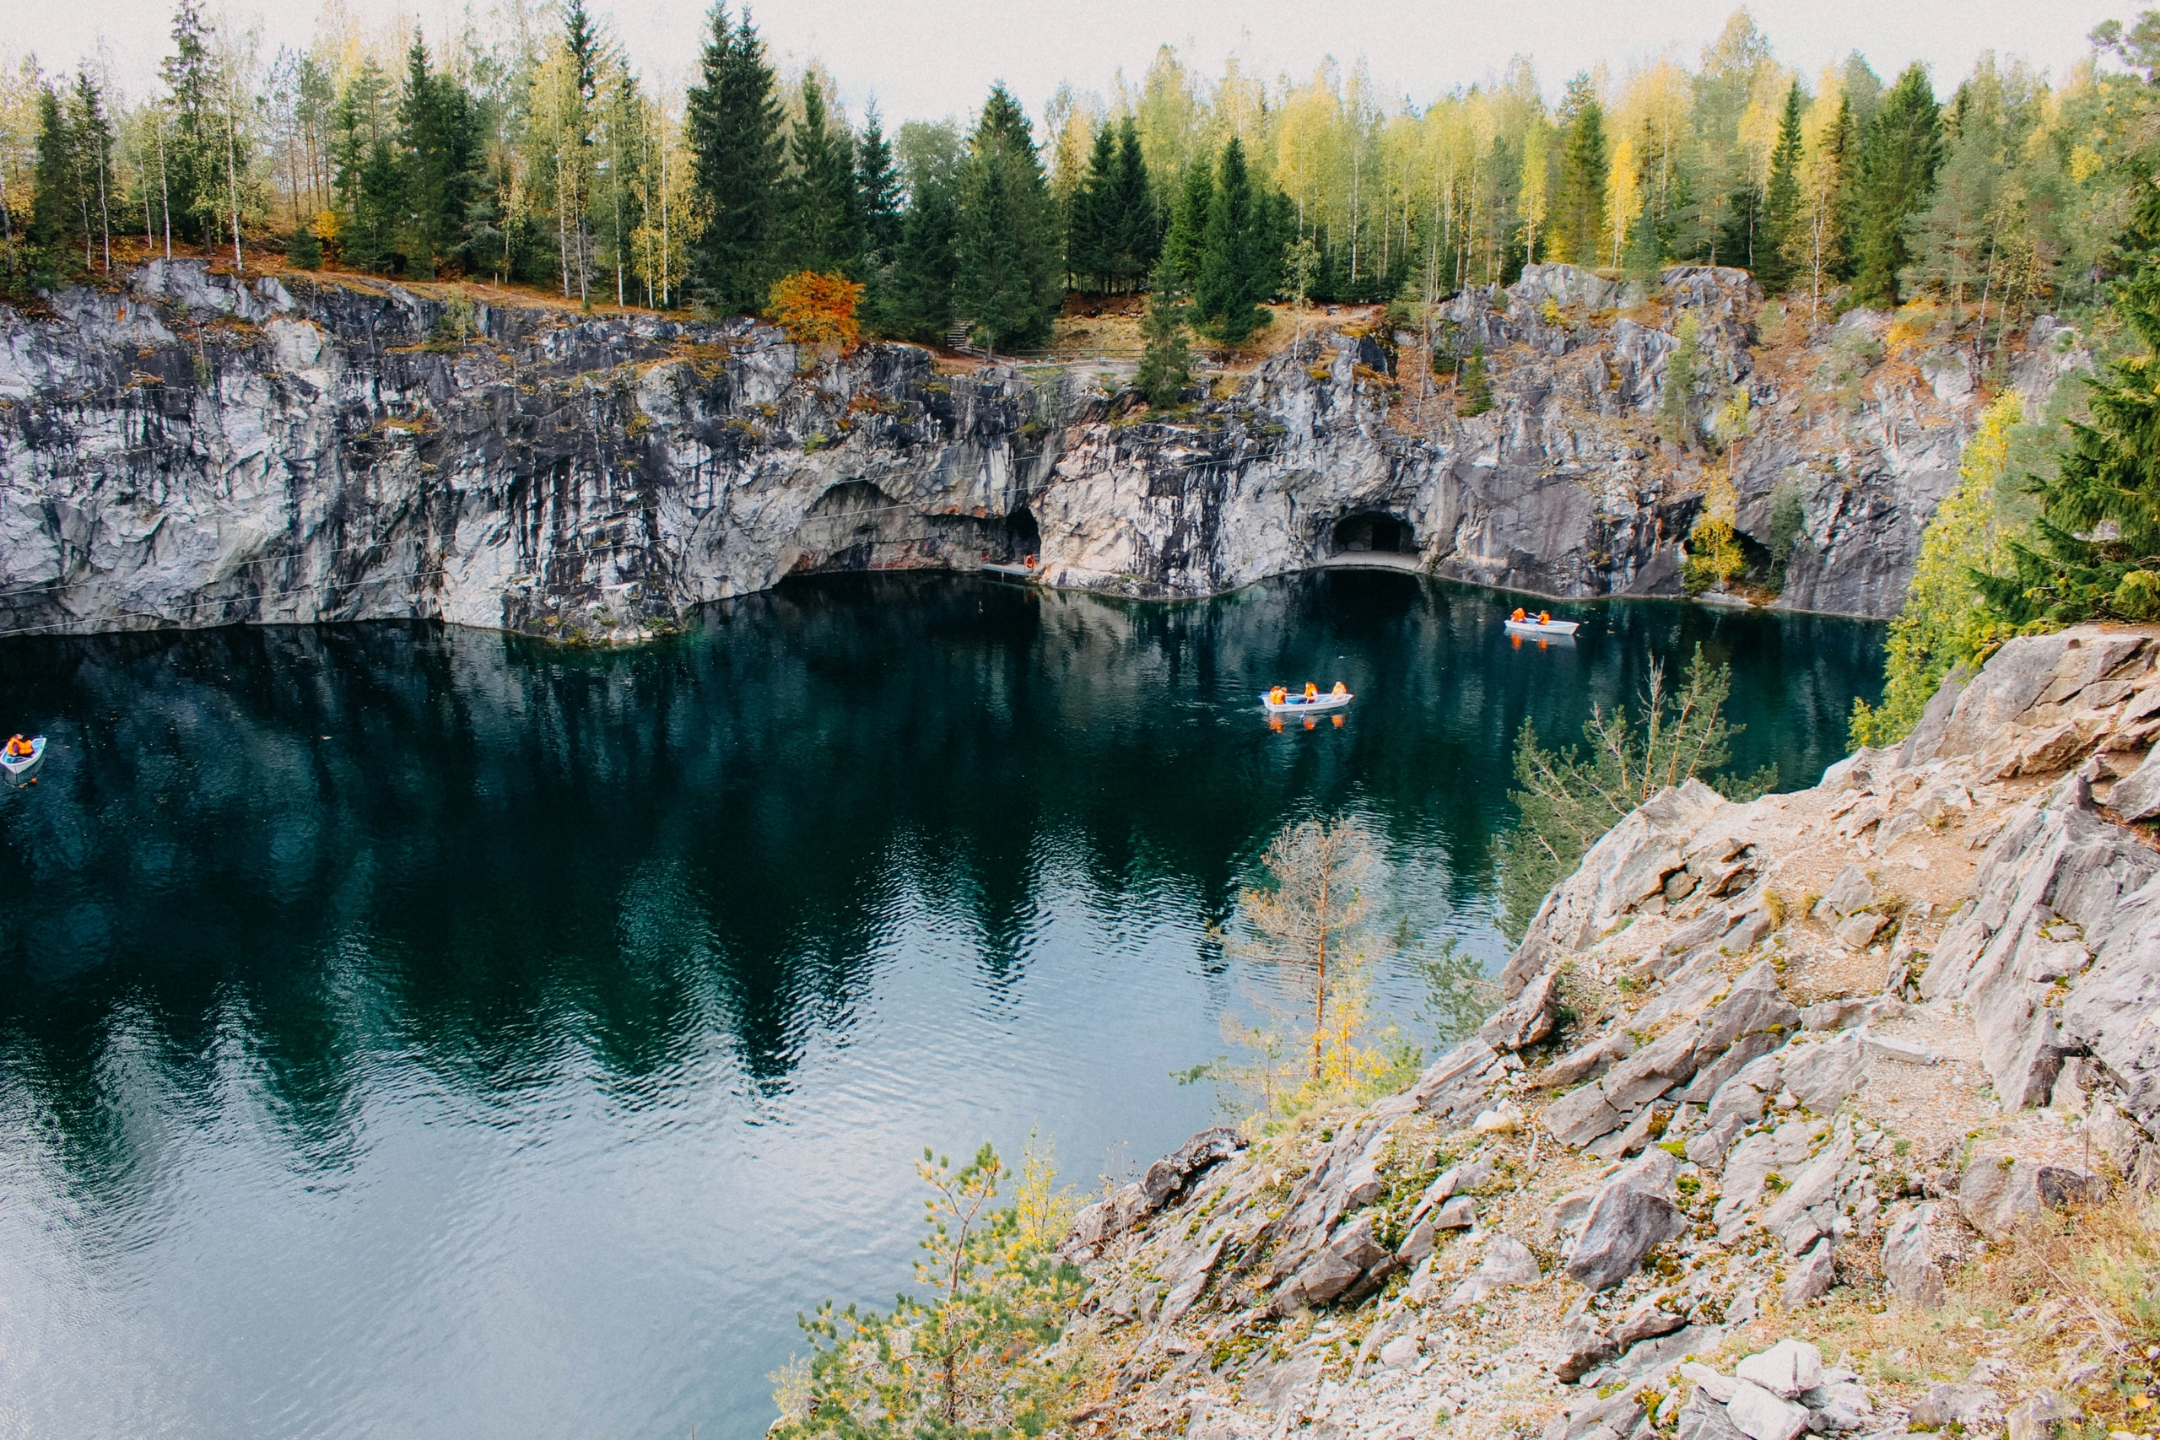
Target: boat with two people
{"x": 19, "y": 758}
{"x": 1520, "y": 623}
{"x": 1279, "y": 701}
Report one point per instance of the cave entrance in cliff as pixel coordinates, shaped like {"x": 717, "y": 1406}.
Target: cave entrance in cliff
{"x": 1369, "y": 532}
{"x": 1023, "y": 537}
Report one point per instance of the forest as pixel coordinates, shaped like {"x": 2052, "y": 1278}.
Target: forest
{"x": 533, "y": 154}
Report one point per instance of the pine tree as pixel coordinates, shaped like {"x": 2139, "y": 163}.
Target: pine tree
{"x": 1781, "y": 201}
{"x": 822, "y": 218}
{"x": 1011, "y": 274}
{"x": 733, "y": 121}
{"x": 1579, "y": 215}
{"x": 1897, "y": 172}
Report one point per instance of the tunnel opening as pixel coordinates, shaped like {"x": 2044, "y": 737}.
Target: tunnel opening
{"x": 1372, "y": 532}
{"x": 1023, "y": 537}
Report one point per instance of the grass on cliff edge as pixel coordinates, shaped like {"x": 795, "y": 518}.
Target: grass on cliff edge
{"x": 2069, "y": 1302}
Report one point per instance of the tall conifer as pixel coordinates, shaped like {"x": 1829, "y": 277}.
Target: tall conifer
{"x": 1781, "y": 201}
{"x": 1579, "y": 216}
{"x": 1011, "y": 275}
{"x": 822, "y": 217}
{"x": 1897, "y": 171}
{"x": 733, "y": 121}
{"x": 1134, "y": 233}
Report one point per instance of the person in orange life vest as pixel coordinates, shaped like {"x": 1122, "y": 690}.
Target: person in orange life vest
{"x": 17, "y": 747}
{"x": 1312, "y": 691}
{"x": 1518, "y": 615}
{"x": 1544, "y": 617}
{"x": 1277, "y": 695}
{"x": 1340, "y": 688}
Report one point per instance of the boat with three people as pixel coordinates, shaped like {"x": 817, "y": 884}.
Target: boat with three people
{"x": 1279, "y": 701}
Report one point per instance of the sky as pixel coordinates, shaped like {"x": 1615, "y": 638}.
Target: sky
{"x": 926, "y": 59}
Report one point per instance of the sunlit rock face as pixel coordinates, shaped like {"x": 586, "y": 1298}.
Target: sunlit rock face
{"x": 190, "y": 448}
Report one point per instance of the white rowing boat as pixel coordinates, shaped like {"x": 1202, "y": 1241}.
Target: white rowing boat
{"x": 18, "y": 766}
{"x": 1299, "y": 705}
{"x": 1544, "y": 627}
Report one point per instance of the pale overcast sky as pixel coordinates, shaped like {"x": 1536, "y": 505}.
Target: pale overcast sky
{"x": 923, "y": 59}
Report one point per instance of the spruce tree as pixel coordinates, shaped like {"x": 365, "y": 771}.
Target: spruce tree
{"x": 439, "y": 151}
{"x": 1781, "y": 201}
{"x": 1240, "y": 252}
{"x": 916, "y": 303}
{"x": 1091, "y": 223}
{"x": 194, "y": 159}
{"x": 1183, "y": 246}
{"x": 1579, "y": 217}
{"x": 2090, "y": 552}
{"x": 1166, "y": 361}
{"x": 821, "y": 225}
{"x": 1011, "y": 273}
{"x": 53, "y": 202}
{"x": 733, "y": 123}
{"x": 1135, "y": 230}
{"x": 877, "y": 191}
{"x": 1897, "y": 172}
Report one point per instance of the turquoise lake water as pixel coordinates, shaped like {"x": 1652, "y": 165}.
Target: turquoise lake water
{"x": 423, "y": 1032}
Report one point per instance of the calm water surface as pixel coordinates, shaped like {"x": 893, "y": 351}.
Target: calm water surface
{"x": 427, "y": 1033}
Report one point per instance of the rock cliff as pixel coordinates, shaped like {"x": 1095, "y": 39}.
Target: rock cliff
{"x": 192, "y": 448}
{"x": 1765, "y": 1069}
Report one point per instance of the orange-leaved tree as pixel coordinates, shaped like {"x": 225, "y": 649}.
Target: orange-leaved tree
{"x": 817, "y": 311}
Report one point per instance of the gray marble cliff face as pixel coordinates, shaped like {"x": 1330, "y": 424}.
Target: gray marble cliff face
{"x": 195, "y": 449}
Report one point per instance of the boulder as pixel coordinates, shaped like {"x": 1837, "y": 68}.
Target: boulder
{"x": 1809, "y": 1204}
{"x": 1459, "y": 1213}
{"x": 1754, "y": 1006}
{"x": 1507, "y": 1262}
{"x": 1912, "y": 1267}
{"x": 1589, "y": 1060}
{"x": 1761, "y": 1415}
{"x": 2137, "y": 795}
{"x": 1526, "y": 1019}
{"x": 1852, "y": 891}
{"x": 1455, "y": 1083}
{"x": 1336, "y": 1268}
{"x": 1811, "y": 1277}
{"x": 1821, "y": 1075}
{"x": 1170, "y": 1176}
{"x": 1581, "y": 1348}
{"x": 1703, "y": 1418}
{"x": 1995, "y": 1193}
{"x": 1787, "y": 1369}
{"x": 1967, "y": 1405}
{"x": 1633, "y": 1211}
{"x": 1646, "y": 1322}
{"x": 1857, "y": 932}
{"x": 2036, "y": 1417}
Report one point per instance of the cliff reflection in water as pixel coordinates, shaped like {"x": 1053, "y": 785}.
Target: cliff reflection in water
{"x": 313, "y": 937}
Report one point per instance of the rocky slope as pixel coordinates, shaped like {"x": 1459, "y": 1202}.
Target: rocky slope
{"x": 1762, "y": 1068}
{"x": 191, "y": 448}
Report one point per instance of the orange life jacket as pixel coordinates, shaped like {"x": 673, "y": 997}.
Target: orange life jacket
{"x": 1544, "y": 617}
{"x": 1311, "y": 690}
{"x": 1341, "y": 689}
